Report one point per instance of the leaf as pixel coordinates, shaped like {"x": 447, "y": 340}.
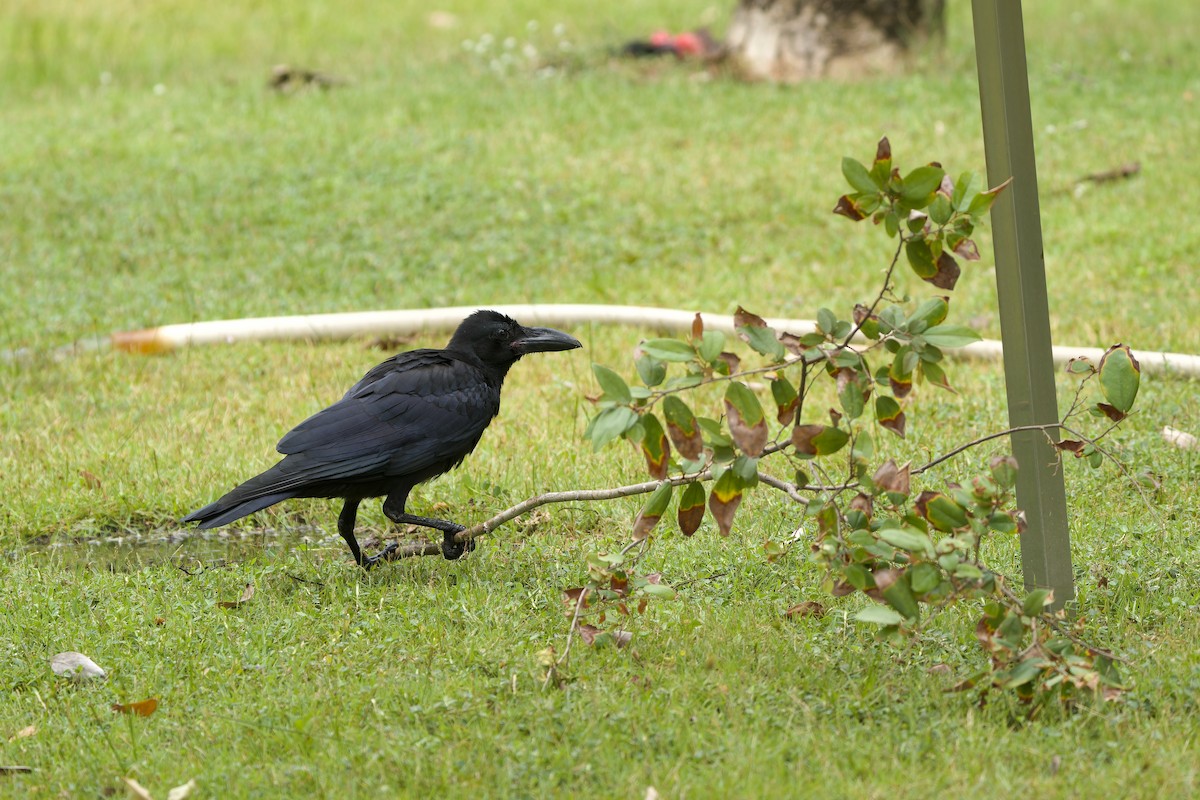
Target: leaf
{"x": 691, "y": 508}
{"x": 818, "y": 440}
{"x": 891, "y": 478}
{"x": 931, "y": 312}
{"x": 786, "y": 399}
{"x": 966, "y": 250}
{"x": 655, "y": 447}
{"x": 908, "y": 539}
{"x": 947, "y": 274}
{"x": 889, "y": 415}
{"x": 75, "y": 665}
{"x": 747, "y": 424}
{"x": 1004, "y": 470}
{"x": 847, "y": 208}
{"x": 1036, "y": 601}
{"x": 247, "y": 593}
{"x": 136, "y": 790}
{"x": 183, "y": 791}
{"x": 763, "y": 340}
{"x": 899, "y": 595}
{"x": 683, "y": 428}
{"x": 982, "y": 202}
{"x": 697, "y": 326}
{"x": 920, "y": 258}
{"x": 918, "y": 185}
{"x": 24, "y": 733}
{"x": 924, "y": 577}
{"x": 950, "y": 335}
{"x": 879, "y": 615}
{"x": 612, "y": 384}
{"x": 940, "y": 511}
{"x": 747, "y": 319}
{"x": 650, "y": 369}
{"x": 660, "y": 590}
{"x": 668, "y": 350}
{"x": 709, "y": 345}
{"x": 143, "y": 708}
{"x": 724, "y": 500}
{"x": 808, "y": 608}
{"x": 609, "y": 424}
{"x": 1120, "y": 375}
{"x": 652, "y": 512}
{"x": 858, "y": 176}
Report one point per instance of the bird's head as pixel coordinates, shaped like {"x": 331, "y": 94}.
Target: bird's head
{"x": 500, "y": 340}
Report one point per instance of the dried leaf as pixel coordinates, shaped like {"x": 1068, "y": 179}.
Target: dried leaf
{"x": 75, "y": 665}
{"x": 182, "y": 791}
{"x": 655, "y": 447}
{"x": 143, "y": 708}
{"x": 947, "y": 272}
{"x": 724, "y": 499}
{"x": 136, "y": 790}
{"x": 27, "y": 731}
{"x": 697, "y": 326}
{"x": 891, "y": 478}
{"x": 247, "y": 593}
{"x": 747, "y": 424}
{"x": 588, "y": 632}
{"x": 691, "y": 508}
{"x": 90, "y": 478}
{"x": 747, "y": 319}
{"x": 808, "y": 608}
{"x": 848, "y": 209}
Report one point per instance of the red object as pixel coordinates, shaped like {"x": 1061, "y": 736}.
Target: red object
{"x": 660, "y": 39}
{"x": 686, "y": 44}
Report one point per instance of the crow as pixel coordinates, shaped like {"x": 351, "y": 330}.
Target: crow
{"x": 410, "y": 419}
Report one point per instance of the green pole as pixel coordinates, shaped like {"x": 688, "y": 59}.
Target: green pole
{"x": 1021, "y": 286}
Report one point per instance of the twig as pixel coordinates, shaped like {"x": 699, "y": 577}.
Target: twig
{"x": 303, "y": 580}
{"x": 561, "y": 662}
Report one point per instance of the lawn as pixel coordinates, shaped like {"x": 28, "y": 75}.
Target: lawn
{"x": 147, "y": 176}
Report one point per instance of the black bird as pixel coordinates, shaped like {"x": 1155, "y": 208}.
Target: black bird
{"x": 408, "y": 420}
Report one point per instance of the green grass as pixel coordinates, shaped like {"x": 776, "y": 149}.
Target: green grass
{"x": 430, "y": 180}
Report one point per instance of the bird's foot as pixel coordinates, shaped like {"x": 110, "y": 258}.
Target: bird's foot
{"x": 382, "y": 555}
{"x": 453, "y": 550}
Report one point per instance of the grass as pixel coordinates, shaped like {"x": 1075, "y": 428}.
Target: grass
{"x": 428, "y": 180}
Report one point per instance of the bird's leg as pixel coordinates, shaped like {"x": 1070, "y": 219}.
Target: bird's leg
{"x": 346, "y": 528}
{"x": 393, "y": 509}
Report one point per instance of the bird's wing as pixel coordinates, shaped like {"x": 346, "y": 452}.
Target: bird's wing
{"x": 405, "y": 416}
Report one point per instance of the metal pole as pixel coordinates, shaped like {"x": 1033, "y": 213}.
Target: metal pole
{"x": 1021, "y": 285}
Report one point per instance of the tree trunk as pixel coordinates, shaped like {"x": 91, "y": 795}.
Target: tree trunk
{"x": 795, "y": 40}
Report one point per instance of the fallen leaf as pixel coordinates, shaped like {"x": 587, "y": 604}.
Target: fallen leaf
{"x": 136, "y": 789}
{"x": 91, "y": 479}
{"x": 245, "y": 598}
{"x": 28, "y": 730}
{"x": 808, "y": 608}
{"x": 182, "y": 791}
{"x": 143, "y": 708}
{"x": 75, "y": 665}
{"x": 160, "y": 621}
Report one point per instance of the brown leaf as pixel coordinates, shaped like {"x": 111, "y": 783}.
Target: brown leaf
{"x": 571, "y": 597}
{"x": 802, "y": 438}
{"x": 947, "y": 272}
{"x": 1074, "y": 445}
{"x": 939, "y": 669}
{"x": 723, "y": 507}
{"x": 750, "y": 439}
{"x": 588, "y": 632}
{"x": 884, "y": 578}
{"x": 247, "y": 593}
{"x": 1113, "y": 413}
{"x": 731, "y": 360}
{"x": 182, "y": 791}
{"x": 143, "y": 708}
{"x": 746, "y": 319}
{"x": 90, "y": 478}
{"x": 697, "y": 327}
{"x": 967, "y": 250}
{"x": 848, "y": 209}
{"x": 808, "y": 608}
{"x": 891, "y": 478}
{"x": 883, "y": 151}
{"x": 863, "y": 502}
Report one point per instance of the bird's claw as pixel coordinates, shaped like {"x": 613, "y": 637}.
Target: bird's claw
{"x": 452, "y": 550}
{"x": 382, "y": 555}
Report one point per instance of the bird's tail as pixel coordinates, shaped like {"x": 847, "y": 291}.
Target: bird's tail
{"x": 253, "y": 495}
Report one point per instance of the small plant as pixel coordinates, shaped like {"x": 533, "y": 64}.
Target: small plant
{"x": 707, "y": 421}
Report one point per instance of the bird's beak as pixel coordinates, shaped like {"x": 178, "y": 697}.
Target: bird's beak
{"x": 544, "y": 340}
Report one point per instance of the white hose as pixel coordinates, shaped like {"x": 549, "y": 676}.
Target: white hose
{"x": 326, "y": 327}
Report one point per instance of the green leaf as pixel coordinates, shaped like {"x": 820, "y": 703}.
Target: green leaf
{"x": 908, "y": 539}
{"x": 659, "y": 590}
{"x": 932, "y": 311}
{"x": 940, "y": 511}
{"x": 982, "y": 202}
{"x": 651, "y": 370}
{"x": 763, "y": 340}
{"x": 1120, "y": 376}
{"x": 919, "y": 184}
{"x": 614, "y": 385}
{"x": 652, "y": 512}
{"x": 724, "y": 500}
{"x": 858, "y": 177}
{"x": 818, "y": 440}
{"x": 900, "y": 597}
{"x": 924, "y": 577}
{"x": 879, "y": 615}
{"x": 711, "y": 344}
{"x": 785, "y": 397}
{"x": 965, "y": 189}
{"x": 668, "y": 349}
{"x": 655, "y": 447}
{"x": 920, "y": 258}
{"x": 950, "y": 335}
{"x": 609, "y": 424}
{"x": 940, "y": 209}
{"x": 1036, "y": 601}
